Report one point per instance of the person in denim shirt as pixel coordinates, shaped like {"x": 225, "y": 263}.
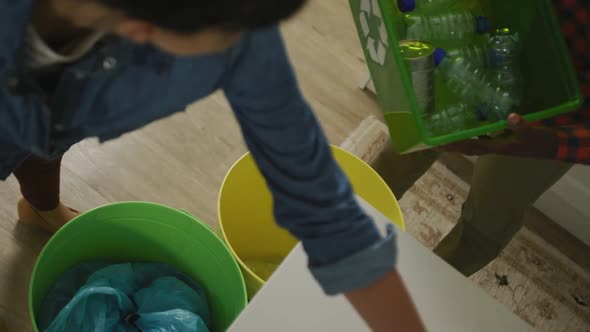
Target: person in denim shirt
{"x": 72, "y": 69}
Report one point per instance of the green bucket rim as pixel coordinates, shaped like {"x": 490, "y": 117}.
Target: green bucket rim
{"x": 234, "y": 264}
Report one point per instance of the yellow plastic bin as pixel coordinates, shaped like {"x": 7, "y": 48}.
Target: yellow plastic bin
{"x": 248, "y": 226}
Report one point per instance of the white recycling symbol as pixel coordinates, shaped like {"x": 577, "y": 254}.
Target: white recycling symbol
{"x": 376, "y": 46}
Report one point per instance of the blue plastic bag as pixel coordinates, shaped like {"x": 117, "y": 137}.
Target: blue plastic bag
{"x": 124, "y": 298}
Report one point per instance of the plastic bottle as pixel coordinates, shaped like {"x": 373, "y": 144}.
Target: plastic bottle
{"x": 479, "y": 56}
{"x": 463, "y": 78}
{"x": 406, "y": 6}
{"x": 473, "y": 87}
{"x": 496, "y": 106}
{"x": 453, "y": 26}
{"x": 504, "y": 49}
{"x": 453, "y": 118}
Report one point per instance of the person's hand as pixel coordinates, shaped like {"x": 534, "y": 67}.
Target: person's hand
{"x": 523, "y": 141}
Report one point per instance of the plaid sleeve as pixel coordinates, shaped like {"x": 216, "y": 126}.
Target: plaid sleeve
{"x": 573, "y": 130}
{"x": 574, "y": 144}
{"x": 573, "y": 134}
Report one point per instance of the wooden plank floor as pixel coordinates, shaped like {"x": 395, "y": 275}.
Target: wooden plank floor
{"x": 181, "y": 161}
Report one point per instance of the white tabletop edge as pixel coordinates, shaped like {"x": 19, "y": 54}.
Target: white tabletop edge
{"x": 446, "y": 300}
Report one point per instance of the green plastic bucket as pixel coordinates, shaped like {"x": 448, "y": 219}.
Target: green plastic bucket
{"x": 550, "y": 84}
{"x": 144, "y": 232}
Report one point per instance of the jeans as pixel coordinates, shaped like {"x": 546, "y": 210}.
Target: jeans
{"x": 39, "y": 181}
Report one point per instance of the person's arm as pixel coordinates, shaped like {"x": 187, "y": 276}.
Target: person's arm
{"x": 377, "y": 303}
{"x": 565, "y": 143}
{"x": 312, "y": 197}
{"x": 566, "y": 137}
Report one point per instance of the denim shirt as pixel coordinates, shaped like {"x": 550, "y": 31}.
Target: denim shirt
{"x": 121, "y": 87}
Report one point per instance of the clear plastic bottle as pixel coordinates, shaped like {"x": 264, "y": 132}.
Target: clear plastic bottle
{"x": 453, "y": 118}
{"x": 452, "y": 26}
{"x": 406, "y": 6}
{"x": 496, "y": 106}
{"x": 473, "y": 87}
{"x": 466, "y": 80}
{"x": 479, "y": 56}
{"x": 504, "y": 49}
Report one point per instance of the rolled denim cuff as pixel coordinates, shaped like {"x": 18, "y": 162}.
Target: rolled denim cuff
{"x": 361, "y": 269}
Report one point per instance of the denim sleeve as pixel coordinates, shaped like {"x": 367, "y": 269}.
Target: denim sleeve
{"x": 312, "y": 197}
{"x": 24, "y": 119}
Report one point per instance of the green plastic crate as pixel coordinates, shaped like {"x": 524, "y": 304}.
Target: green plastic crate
{"x": 550, "y": 85}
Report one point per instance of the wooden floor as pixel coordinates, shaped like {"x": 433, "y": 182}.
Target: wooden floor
{"x": 181, "y": 161}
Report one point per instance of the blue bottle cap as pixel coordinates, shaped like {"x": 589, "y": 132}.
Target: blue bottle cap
{"x": 406, "y": 6}
{"x": 439, "y": 55}
{"x": 482, "y": 24}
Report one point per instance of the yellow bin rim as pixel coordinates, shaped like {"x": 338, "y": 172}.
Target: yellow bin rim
{"x": 395, "y": 214}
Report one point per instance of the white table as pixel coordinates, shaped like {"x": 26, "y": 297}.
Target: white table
{"x": 446, "y": 300}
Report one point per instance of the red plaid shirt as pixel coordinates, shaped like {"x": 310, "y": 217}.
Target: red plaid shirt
{"x": 574, "y": 128}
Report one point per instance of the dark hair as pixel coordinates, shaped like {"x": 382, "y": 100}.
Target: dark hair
{"x": 188, "y": 16}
